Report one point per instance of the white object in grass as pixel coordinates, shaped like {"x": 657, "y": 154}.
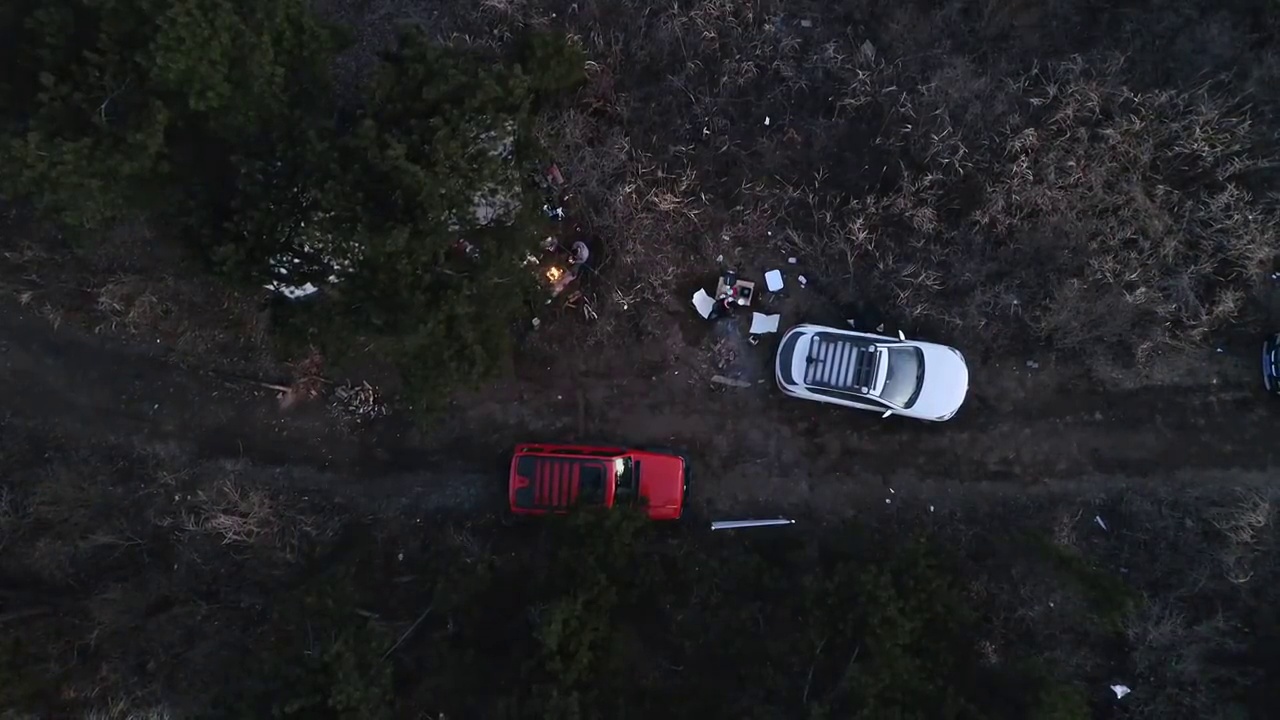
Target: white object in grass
{"x": 761, "y": 323}
{"x": 703, "y": 303}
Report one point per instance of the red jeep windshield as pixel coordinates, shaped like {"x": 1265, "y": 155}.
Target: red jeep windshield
{"x": 627, "y": 481}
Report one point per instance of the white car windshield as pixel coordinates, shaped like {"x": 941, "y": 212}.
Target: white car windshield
{"x": 904, "y": 375}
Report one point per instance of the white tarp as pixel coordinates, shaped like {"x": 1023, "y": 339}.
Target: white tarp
{"x": 703, "y": 303}
{"x": 761, "y": 323}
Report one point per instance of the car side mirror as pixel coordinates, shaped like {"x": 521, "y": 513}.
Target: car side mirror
{"x": 886, "y": 414}
{"x": 902, "y": 335}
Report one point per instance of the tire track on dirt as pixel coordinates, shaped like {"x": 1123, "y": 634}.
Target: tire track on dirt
{"x": 750, "y": 445}
{"x": 81, "y": 390}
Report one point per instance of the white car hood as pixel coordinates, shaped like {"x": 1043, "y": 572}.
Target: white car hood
{"x": 946, "y": 382}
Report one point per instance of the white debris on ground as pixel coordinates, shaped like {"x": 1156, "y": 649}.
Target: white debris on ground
{"x": 1098, "y": 519}
{"x": 703, "y": 303}
{"x": 773, "y": 280}
{"x": 285, "y": 267}
{"x": 359, "y": 402}
{"x": 494, "y": 204}
{"x": 761, "y": 323}
{"x": 1120, "y": 690}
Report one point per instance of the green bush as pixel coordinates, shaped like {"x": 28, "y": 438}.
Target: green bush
{"x": 553, "y": 64}
{"x": 107, "y": 102}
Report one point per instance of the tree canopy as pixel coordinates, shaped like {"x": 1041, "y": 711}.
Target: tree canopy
{"x": 217, "y": 117}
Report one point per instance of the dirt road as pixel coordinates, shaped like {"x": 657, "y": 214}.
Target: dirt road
{"x": 1024, "y": 429}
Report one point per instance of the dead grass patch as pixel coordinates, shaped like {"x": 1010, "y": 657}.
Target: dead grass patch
{"x": 128, "y": 303}
{"x": 235, "y": 514}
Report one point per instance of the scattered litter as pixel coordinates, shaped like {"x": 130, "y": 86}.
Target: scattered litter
{"x": 887, "y": 501}
{"x": 363, "y": 401}
{"x": 852, "y": 324}
{"x": 703, "y": 303}
{"x": 766, "y": 120}
{"x": 720, "y": 259}
{"x": 731, "y": 382}
{"x": 1098, "y": 519}
{"x": 736, "y": 524}
{"x": 1120, "y": 690}
{"x": 868, "y": 50}
{"x": 754, "y": 339}
{"x": 1221, "y": 350}
{"x": 804, "y": 281}
{"x": 930, "y": 508}
{"x": 791, "y": 261}
{"x": 892, "y": 491}
{"x": 1033, "y": 364}
{"x": 731, "y": 289}
{"x": 536, "y": 323}
{"x": 806, "y": 23}
{"x": 554, "y": 176}
{"x": 761, "y": 323}
{"x": 555, "y": 213}
{"x": 773, "y": 280}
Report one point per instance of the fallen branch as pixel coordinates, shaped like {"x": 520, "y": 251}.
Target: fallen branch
{"x": 408, "y": 632}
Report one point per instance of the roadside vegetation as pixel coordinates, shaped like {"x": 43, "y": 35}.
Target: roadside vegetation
{"x": 139, "y": 587}
{"x": 218, "y": 122}
{"x": 969, "y": 169}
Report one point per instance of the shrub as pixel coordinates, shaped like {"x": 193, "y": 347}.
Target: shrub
{"x": 107, "y": 103}
{"x": 1072, "y": 211}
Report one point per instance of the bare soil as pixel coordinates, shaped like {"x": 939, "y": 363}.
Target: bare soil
{"x": 1029, "y": 424}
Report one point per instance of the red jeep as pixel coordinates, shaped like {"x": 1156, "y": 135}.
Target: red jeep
{"x": 553, "y": 478}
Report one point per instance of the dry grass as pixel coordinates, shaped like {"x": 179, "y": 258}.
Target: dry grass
{"x": 1180, "y": 656}
{"x": 1091, "y": 217}
{"x": 1243, "y": 524}
{"x": 127, "y": 303}
{"x": 235, "y": 514}
{"x": 1053, "y": 205}
{"x": 125, "y": 709}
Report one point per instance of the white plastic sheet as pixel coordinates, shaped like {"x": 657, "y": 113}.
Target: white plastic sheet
{"x": 761, "y": 324}
{"x": 703, "y": 303}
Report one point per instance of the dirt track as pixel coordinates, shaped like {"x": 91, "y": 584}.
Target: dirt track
{"x": 1023, "y": 430}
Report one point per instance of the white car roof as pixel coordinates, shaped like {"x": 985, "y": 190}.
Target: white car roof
{"x": 854, "y": 364}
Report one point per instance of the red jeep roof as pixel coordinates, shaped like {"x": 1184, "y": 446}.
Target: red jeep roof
{"x": 546, "y": 483}
{"x": 553, "y": 478}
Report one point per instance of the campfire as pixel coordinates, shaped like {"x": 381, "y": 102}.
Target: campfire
{"x": 554, "y": 274}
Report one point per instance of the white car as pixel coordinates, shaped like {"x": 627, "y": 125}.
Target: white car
{"x": 893, "y": 376}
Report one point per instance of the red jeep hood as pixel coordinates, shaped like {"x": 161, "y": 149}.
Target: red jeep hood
{"x": 662, "y": 484}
